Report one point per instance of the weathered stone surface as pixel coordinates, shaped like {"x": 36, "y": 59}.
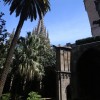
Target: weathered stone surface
{"x": 84, "y": 70}
{"x": 93, "y": 16}
{"x": 63, "y": 67}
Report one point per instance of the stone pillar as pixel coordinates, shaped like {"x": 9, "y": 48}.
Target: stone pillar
{"x": 63, "y": 70}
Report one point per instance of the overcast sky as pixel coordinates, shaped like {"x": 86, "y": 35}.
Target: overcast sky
{"x": 66, "y": 22}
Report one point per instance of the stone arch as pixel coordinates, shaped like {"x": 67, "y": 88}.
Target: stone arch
{"x": 88, "y": 74}
{"x": 68, "y": 91}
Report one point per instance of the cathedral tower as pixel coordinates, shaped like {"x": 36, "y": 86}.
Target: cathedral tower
{"x": 41, "y": 30}
{"x": 93, "y": 8}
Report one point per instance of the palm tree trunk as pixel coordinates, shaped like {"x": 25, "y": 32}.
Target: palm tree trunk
{"x": 24, "y": 84}
{"x": 12, "y": 78}
{"x": 9, "y": 56}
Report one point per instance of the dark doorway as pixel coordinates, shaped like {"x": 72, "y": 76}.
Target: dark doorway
{"x": 88, "y": 71}
{"x": 68, "y": 92}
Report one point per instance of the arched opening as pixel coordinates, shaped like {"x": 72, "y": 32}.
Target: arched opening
{"x": 68, "y": 88}
{"x": 88, "y": 71}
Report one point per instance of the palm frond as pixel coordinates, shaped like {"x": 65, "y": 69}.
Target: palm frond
{"x": 28, "y": 9}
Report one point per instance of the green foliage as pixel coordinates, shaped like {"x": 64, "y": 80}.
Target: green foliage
{"x": 3, "y": 31}
{"x": 47, "y": 54}
{"x": 88, "y": 40}
{"x": 34, "y": 96}
{"x": 25, "y": 9}
{"x": 5, "y": 96}
{"x": 27, "y": 57}
{"x": 32, "y": 54}
{"x": 3, "y": 40}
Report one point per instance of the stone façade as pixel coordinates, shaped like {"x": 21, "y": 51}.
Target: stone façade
{"x": 93, "y": 15}
{"x": 85, "y": 67}
{"x": 84, "y": 61}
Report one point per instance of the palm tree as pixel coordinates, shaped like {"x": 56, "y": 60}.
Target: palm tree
{"x": 26, "y": 62}
{"x": 26, "y": 9}
{"x": 29, "y": 59}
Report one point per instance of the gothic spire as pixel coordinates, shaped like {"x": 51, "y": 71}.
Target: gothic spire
{"x": 40, "y": 27}
{"x": 41, "y": 30}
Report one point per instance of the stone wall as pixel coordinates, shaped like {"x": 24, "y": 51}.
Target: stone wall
{"x": 93, "y": 16}
{"x": 77, "y": 52}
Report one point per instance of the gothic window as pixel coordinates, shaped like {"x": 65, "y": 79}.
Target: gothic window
{"x": 97, "y": 4}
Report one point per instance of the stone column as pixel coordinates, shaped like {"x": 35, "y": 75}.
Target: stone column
{"x": 63, "y": 68}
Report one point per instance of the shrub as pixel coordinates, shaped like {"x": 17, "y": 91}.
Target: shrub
{"x": 5, "y": 96}
{"x": 34, "y": 96}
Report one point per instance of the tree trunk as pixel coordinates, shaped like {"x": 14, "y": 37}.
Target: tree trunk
{"x": 24, "y": 84}
{"x": 12, "y": 77}
{"x": 9, "y": 56}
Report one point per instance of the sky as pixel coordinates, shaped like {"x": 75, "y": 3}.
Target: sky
{"x": 66, "y": 22}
